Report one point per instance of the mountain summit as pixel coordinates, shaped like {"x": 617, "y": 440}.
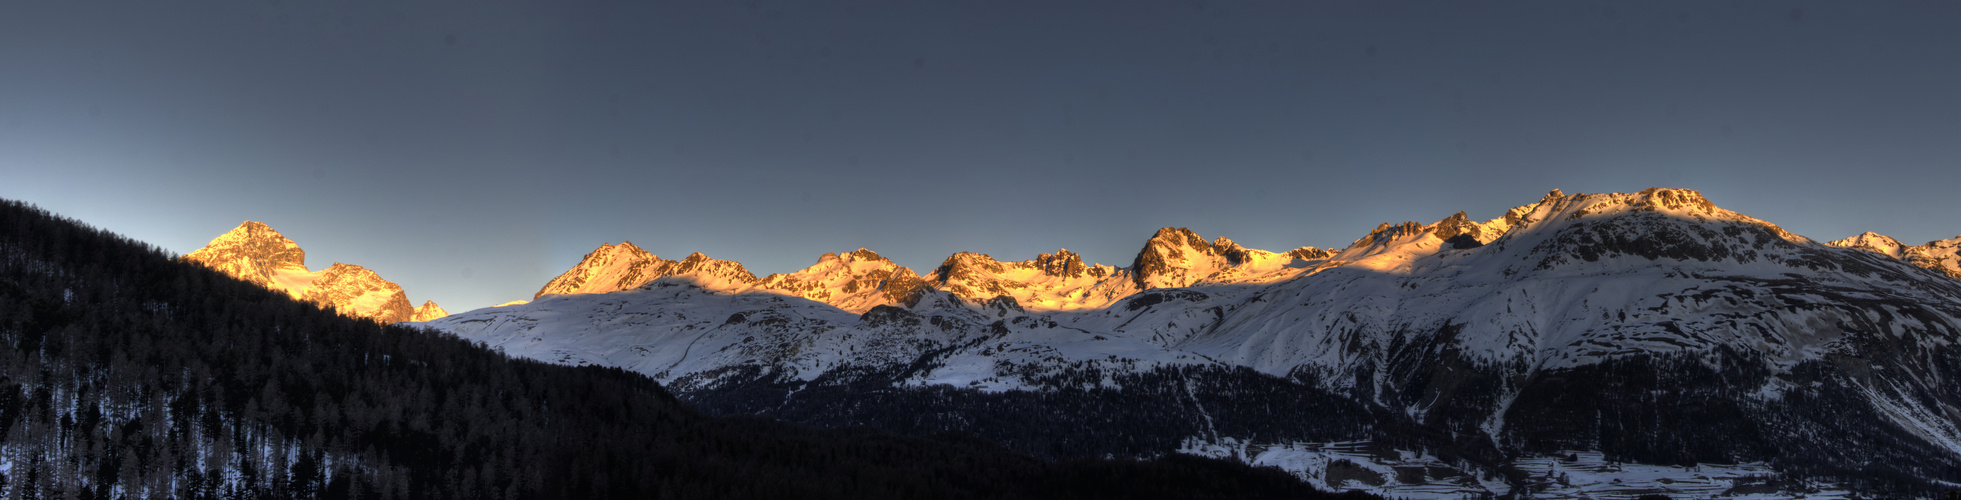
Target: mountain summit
{"x": 257, "y": 253}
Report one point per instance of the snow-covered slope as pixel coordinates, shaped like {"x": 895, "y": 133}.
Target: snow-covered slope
{"x": 1592, "y": 322}
{"x": 255, "y": 252}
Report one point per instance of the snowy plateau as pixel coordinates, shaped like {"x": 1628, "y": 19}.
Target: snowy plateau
{"x": 1582, "y": 346}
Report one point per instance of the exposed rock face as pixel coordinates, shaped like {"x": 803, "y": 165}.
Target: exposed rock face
{"x": 606, "y": 269}
{"x": 1310, "y": 253}
{"x": 357, "y": 291}
{"x": 855, "y": 281}
{"x": 255, "y": 252}
{"x": 1175, "y": 257}
{"x": 612, "y": 268}
{"x": 1057, "y": 280}
{"x": 428, "y": 311}
{"x": 1938, "y": 255}
{"x": 1062, "y": 264}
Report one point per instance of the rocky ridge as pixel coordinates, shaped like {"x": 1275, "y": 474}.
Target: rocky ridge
{"x": 1939, "y": 255}
{"x": 259, "y": 254}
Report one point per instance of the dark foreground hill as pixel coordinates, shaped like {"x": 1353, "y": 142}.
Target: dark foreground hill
{"x": 127, "y": 374}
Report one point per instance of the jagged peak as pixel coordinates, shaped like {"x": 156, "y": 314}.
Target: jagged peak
{"x": 250, "y": 232}
{"x": 428, "y": 311}
{"x": 1175, "y": 257}
{"x": 964, "y": 265}
{"x": 252, "y": 229}
{"x": 1310, "y": 253}
{"x": 1675, "y": 202}
{"x": 1455, "y": 225}
{"x": 1880, "y": 244}
{"x": 1062, "y": 263}
{"x": 1656, "y": 198}
{"x": 253, "y": 241}
{"x": 624, "y": 248}
{"x": 255, "y": 252}
{"x": 1389, "y": 232}
{"x": 626, "y": 245}
{"x": 863, "y": 254}
{"x": 608, "y": 268}
{"x": 1177, "y": 237}
{"x": 833, "y": 263}
{"x": 1232, "y": 250}
{"x": 701, "y": 264}
{"x": 1647, "y": 200}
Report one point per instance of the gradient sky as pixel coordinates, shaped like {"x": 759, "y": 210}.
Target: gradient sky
{"x": 470, "y": 151}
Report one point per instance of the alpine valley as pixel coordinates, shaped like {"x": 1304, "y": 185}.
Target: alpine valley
{"x": 1582, "y": 346}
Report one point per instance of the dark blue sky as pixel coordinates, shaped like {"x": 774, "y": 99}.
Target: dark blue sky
{"x": 472, "y": 150}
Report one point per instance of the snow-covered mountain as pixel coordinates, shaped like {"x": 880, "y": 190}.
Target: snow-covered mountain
{"x": 255, "y": 252}
{"x": 428, "y": 311}
{"x": 1650, "y": 327}
{"x": 612, "y": 268}
{"x": 1938, "y": 255}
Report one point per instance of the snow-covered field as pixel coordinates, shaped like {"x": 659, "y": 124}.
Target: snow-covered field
{"x": 1357, "y": 465}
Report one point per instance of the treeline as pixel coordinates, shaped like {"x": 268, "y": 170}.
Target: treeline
{"x": 126, "y": 374}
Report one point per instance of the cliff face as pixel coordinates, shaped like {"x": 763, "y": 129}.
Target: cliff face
{"x": 257, "y": 253}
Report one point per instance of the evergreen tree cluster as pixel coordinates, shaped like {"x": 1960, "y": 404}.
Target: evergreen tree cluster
{"x": 128, "y": 374}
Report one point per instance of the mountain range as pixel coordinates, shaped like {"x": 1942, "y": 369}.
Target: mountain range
{"x": 257, "y": 253}
{"x": 1582, "y": 345}
{"x": 126, "y": 372}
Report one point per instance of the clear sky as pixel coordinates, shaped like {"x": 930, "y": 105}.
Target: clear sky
{"x": 472, "y": 150}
